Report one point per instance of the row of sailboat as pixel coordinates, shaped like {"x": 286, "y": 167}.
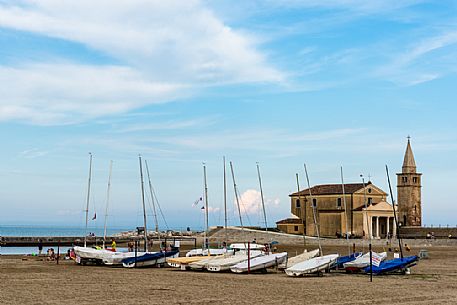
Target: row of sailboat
{"x": 238, "y": 258}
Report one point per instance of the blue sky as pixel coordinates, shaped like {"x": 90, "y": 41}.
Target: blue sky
{"x": 281, "y": 83}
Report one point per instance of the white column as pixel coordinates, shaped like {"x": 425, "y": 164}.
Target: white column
{"x": 394, "y": 229}
{"x": 377, "y": 226}
{"x": 388, "y": 226}
{"x": 370, "y": 232}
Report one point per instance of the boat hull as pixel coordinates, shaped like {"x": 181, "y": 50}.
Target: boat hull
{"x": 260, "y": 263}
{"x": 312, "y": 266}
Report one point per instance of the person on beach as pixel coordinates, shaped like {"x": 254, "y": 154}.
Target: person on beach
{"x": 113, "y": 244}
{"x": 40, "y": 246}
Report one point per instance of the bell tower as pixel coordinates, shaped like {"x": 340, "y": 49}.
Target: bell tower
{"x": 409, "y": 191}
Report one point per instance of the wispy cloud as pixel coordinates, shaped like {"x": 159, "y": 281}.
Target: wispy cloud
{"x": 69, "y": 93}
{"x": 164, "y": 46}
{"x": 167, "y": 125}
{"x": 422, "y": 62}
{"x": 33, "y": 153}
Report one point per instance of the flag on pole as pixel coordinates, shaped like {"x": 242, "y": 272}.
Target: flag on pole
{"x": 197, "y": 201}
{"x": 95, "y": 216}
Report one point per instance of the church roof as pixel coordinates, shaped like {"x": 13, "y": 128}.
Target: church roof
{"x": 409, "y": 165}
{"x": 377, "y": 206}
{"x": 331, "y": 189}
{"x": 296, "y": 221}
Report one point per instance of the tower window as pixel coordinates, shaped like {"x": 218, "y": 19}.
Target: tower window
{"x": 297, "y": 203}
{"x": 415, "y": 179}
{"x": 314, "y": 202}
{"x": 338, "y": 203}
{"x": 404, "y": 179}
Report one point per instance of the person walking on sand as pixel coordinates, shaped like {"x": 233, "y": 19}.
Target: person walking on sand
{"x": 40, "y": 246}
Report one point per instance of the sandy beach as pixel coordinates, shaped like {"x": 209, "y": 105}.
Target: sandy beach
{"x": 34, "y": 280}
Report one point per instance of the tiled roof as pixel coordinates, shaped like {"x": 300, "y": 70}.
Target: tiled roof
{"x": 331, "y": 189}
{"x": 296, "y": 221}
{"x": 362, "y": 207}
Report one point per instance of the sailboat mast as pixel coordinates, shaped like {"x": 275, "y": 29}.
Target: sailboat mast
{"x": 299, "y": 199}
{"x": 314, "y": 212}
{"x": 236, "y": 196}
{"x": 225, "y": 201}
{"x": 144, "y": 206}
{"x": 366, "y": 207}
{"x": 156, "y": 222}
{"x": 107, "y": 202}
{"x": 395, "y": 213}
{"x": 88, "y": 199}
{"x": 206, "y": 206}
{"x": 345, "y": 211}
{"x": 261, "y": 196}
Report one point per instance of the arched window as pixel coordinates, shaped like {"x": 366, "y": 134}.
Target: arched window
{"x": 338, "y": 203}
{"x": 297, "y": 203}
{"x": 314, "y": 202}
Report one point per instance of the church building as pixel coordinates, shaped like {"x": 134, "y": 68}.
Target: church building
{"x": 358, "y": 209}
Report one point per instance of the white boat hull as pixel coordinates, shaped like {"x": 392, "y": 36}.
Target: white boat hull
{"x": 260, "y": 262}
{"x": 313, "y": 265}
{"x": 362, "y": 261}
{"x": 299, "y": 258}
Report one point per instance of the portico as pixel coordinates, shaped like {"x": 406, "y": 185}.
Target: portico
{"x": 378, "y": 220}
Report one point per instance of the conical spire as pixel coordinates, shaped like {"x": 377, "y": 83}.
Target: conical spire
{"x": 409, "y": 165}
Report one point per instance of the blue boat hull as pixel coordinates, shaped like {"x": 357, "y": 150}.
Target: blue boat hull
{"x": 393, "y": 265}
{"x": 149, "y": 259}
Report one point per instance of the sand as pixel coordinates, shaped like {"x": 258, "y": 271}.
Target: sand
{"x": 37, "y": 281}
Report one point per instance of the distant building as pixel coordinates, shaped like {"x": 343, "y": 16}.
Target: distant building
{"x": 293, "y": 225}
{"x": 409, "y": 191}
{"x": 327, "y": 202}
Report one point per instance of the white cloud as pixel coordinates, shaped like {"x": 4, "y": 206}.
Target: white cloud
{"x": 251, "y": 202}
{"x": 158, "y": 47}
{"x": 169, "y": 40}
{"x": 67, "y": 93}
{"x": 422, "y": 62}
{"x": 213, "y": 210}
{"x": 33, "y": 153}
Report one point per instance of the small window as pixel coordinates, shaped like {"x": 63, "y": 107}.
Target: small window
{"x": 296, "y": 228}
{"x": 338, "y": 203}
{"x": 314, "y": 202}
{"x": 297, "y": 203}
{"x": 370, "y": 200}
{"x": 369, "y": 190}
{"x": 404, "y": 179}
{"x": 414, "y": 179}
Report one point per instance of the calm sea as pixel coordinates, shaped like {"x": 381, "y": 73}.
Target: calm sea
{"x": 42, "y": 231}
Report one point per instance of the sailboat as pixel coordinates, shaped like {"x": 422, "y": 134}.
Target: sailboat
{"x": 260, "y": 262}
{"x": 243, "y": 251}
{"x": 148, "y": 258}
{"x": 88, "y": 254}
{"x": 396, "y": 265}
{"x": 306, "y": 255}
{"x": 195, "y": 256}
{"x": 351, "y": 256}
{"x": 317, "y": 264}
{"x": 363, "y": 261}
